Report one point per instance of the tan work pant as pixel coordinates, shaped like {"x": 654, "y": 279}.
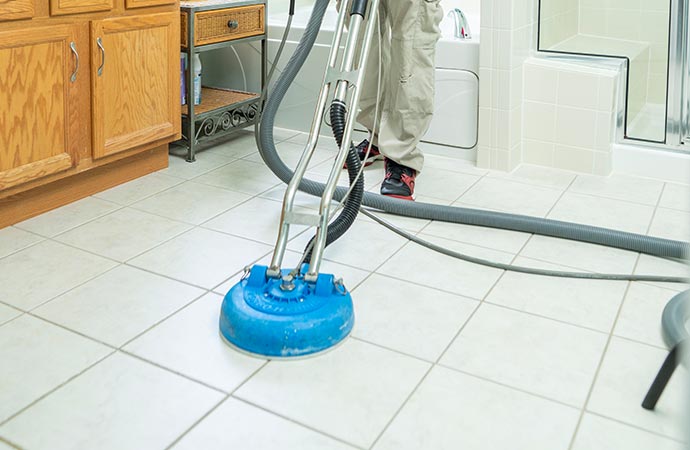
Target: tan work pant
{"x": 410, "y": 31}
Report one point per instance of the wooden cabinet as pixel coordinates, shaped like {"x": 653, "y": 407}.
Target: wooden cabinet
{"x": 89, "y": 98}
{"x": 16, "y": 9}
{"x": 135, "y": 74}
{"x": 38, "y": 68}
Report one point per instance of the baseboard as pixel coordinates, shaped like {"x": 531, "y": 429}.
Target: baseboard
{"x": 36, "y": 201}
{"x": 664, "y": 165}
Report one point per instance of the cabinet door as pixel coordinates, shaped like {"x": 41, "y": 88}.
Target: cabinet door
{"x": 38, "y": 101}
{"x": 16, "y": 9}
{"x": 135, "y": 65}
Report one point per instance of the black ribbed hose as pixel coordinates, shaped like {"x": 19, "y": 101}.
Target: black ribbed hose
{"x": 347, "y": 216}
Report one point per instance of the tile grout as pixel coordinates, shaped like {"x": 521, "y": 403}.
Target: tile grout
{"x": 210, "y": 411}
{"x": 296, "y": 422}
{"x": 437, "y": 362}
{"x": 607, "y": 346}
{"x": 369, "y": 274}
{"x": 54, "y": 389}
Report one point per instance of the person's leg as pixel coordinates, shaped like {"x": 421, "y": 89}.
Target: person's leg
{"x": 410, "y": 79}
{"x": 370, "y": 95}
{"x": 370, "y": 88}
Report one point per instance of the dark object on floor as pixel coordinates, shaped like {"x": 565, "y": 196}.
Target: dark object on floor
{"x": 674, "y": 319}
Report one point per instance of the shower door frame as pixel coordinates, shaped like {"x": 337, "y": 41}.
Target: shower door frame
{"x": 678, "y": 90}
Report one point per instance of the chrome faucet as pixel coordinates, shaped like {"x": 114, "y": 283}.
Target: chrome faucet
{"x": 462, "y": 26}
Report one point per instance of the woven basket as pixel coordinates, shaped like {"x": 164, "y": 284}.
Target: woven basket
{"x": 228, "y": 24}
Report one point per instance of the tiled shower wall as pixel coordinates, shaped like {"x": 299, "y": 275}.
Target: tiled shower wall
{"x": 569, "y": 113}
{"x": 633, "y": 20}
{"x": 560, "y": 20}
{"x": 508, "y": 35}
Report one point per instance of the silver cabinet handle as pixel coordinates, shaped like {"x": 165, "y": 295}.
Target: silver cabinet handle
{"x": 73, "y": 47}
{"x": 99, "y": 42}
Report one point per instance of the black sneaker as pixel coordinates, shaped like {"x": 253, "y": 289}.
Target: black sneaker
{"x": 374, "y": 153}
{"x": 399, "y": 181}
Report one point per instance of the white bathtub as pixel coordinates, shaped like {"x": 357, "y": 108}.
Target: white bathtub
{"x": 454, "y": 129}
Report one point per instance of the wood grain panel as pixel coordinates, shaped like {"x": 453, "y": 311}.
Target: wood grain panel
{"x": 142, "y": 3}
{"x": 62, "y": 7}
{"x": 16, "y": 9}
{"x": 136, "y": 99}
{"x": 38, "y": 169}
{"x": 36, "y": 94}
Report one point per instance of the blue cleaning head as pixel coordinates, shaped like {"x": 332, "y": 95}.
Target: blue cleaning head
{"x": 261, "y": 317}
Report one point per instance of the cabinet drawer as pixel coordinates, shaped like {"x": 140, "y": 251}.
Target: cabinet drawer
{"x": 16, "y": 9}
{"x": 143, "y": 3}
{"x": 62, "y": 7}
{"x": 222, "y": 25}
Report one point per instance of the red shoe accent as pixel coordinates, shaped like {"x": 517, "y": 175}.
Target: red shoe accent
{"x": 409, "y": 181}
{"x": 401, "y": 197}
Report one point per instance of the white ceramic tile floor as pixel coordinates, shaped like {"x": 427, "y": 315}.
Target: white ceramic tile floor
{"x": 444, "y": 355}
{"x": 603, "y": 212}
{"x": 139, "y": 189}
{"x": 13, "y": 239}
{"x": 118, "y": 305}
{"x": 123, "y": 234}
{"x": 537, "y": 355}
{"x": 640, "y": 317}
{"x": 452, "y": 410}
{"x": 201, "y": 257}
{"x": 625, "y": 376}
{"x": 119, "y": 403}
{"x": 511, "y": 196}
{"x": 41, "y": 272}
{"x": 599, "y": 433}
{"x": 37, "y": 357}
{"x": 191, "y": 202}
{"x": 350, "y": 393}
{"x": 8, "y": 313}
{"x": 676, "y": 196}
{"x": 69, "y": 216}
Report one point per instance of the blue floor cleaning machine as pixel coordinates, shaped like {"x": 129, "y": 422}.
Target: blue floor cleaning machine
{"x": 276, "y": 312}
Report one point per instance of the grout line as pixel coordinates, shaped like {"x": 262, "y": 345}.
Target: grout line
{"x": 606, "y": 349}
{"x": 154, "y": 325}
{"x": 290, "y": 419}
{"x": 604, "y": 352}
{"x": 509, "y": 386}
{"x": 223, "y": 400}
{"x": 655, "y": 433}
{"x": 117, "y": 208}
{"x": 541, "y": 316}
{"x": 168, "y": 369}
{"x": 560, "y": 197}
{"x": 49, "y": 392}
{"x": 629, "y": 202}
{"x": 9, "y": 443}
{"x": 198, "y": 421}
{"x": 181, "y": 181}
{"x": 390, "y": 349}
{"x": 637, "y": 341}
{"x": 437, "y": 362}
{"x": 45, "y": 302}
{"x": 41, "y": 239}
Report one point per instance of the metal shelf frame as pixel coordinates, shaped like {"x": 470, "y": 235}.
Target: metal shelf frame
{"x": 198, "y": 128}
